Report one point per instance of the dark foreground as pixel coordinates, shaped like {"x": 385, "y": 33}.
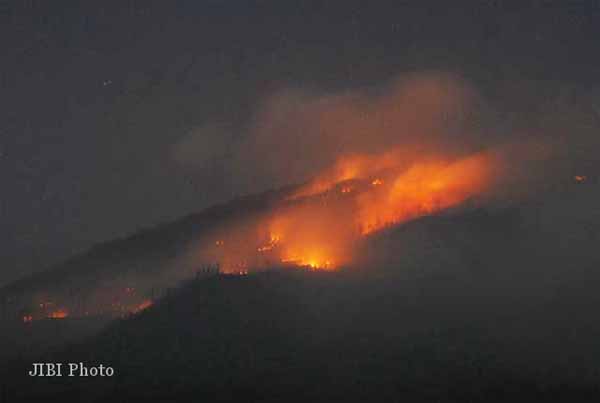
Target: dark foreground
{"x": 318, "y": 337}
{"x": 481, "y": 307}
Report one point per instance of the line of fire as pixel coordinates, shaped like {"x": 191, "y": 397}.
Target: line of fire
{"x": 316, "y": 226}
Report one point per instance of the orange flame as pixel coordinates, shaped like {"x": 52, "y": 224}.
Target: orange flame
{"x": 273, "y": 241}
{"x": 424, "y": 188}
{"x": 58, "y": 314}
{"x": 142, "y": 306}
{"x": 322, "y": 222}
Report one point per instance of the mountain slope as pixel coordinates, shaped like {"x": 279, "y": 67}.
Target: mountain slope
{"x": 479, "y": 305}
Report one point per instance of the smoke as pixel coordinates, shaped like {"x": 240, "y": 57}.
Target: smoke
{"x": 378, "y": 157}
{"x": 375, "y": 157}
{"x": 296, "y": 134}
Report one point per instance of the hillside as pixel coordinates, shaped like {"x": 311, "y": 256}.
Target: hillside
{"x": 479, "y": 305}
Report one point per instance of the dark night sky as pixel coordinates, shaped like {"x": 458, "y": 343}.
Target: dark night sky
{"x": 94, "y": 95}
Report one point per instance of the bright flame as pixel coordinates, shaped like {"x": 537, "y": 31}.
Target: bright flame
{"x": 580, "y": 178}
{"x": 424, "y": 188}
{"x": 313, "y": 262}
{"x": 319, "y": 226}
{"x": 273, "y": 241}
{"x": 349, "y": 167}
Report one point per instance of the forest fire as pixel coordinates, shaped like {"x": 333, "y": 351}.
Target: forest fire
{"x": 424, "y": 188}
{"x": 58, "y": 314}
{"x": 310, "y": 260}
{"x": 142, "y": 306}
{"x": 322, "y": 222}
{"x": 271, "y": 244}
{"x": 104, "y": 302}
{"x": 45, "y": 310}
{"x": 319, "y": 227}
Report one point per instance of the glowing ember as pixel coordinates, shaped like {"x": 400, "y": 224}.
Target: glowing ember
{"x": 142, "y": 306}
{"x": 58, "y": 314}
{"x": 377, "y": 182}
{"x": 312, "y": 263}
{"x": 580, "y": 178}
{"x": 273, "y": 241}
